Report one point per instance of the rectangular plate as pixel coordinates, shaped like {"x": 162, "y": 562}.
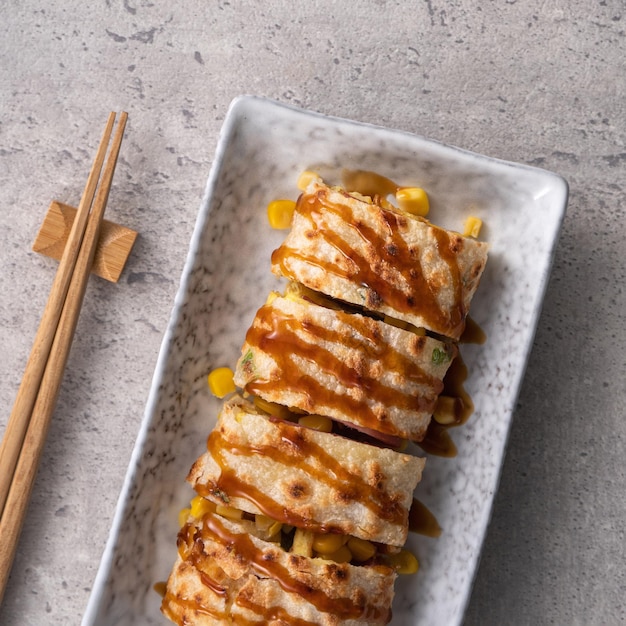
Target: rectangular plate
{"x": 263, "y": 148}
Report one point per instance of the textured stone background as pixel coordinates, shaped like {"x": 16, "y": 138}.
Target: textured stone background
{"x": 535, "y": 82}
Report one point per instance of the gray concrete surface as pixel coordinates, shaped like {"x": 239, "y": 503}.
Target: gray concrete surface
{"x": 535, "y": 82}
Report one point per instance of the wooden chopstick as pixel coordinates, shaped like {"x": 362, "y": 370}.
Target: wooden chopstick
{"x": 45, "y": 368}
{"x": 29, "y": 387}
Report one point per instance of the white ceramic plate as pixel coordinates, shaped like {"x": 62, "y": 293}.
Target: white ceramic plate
{"x": 262, "y": 149}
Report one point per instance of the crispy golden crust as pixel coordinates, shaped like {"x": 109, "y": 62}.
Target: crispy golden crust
{"x": 352, "y": 368}
{"x": 307, "y": 478}
{"x": 381, "y": 259}
{"x": 189, "y": 600}
{"x": 226, "y": 575}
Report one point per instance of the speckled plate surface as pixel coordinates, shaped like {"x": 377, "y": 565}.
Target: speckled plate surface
{"x": 262, "y": 149}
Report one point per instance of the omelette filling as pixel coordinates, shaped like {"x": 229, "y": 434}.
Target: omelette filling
{"x": 329, "y": 546}
{"x": 453, "y": 407}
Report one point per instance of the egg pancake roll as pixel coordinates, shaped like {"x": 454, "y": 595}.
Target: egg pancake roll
{"x": 352, "y": 249}
{"x": 309, "y": 479}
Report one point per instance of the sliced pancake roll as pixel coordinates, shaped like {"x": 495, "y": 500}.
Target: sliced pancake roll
{"x": 347, "y": 366}
{"x": 194, "y": 597}
{"x": 352, "y": 249}
{"x": 312, "y": 480}
{"x": 225, "y": 574}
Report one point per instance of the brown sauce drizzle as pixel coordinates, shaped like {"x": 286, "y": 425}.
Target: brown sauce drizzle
{"x": 454, "y": 385}
{"x": 402, "y": 284}
{"x": 437, "y": 440}
{"x": 281, "y": 337}
{"x": 190, "y": 604}
{"x": 207, "y": 581}
{"x": 472, "y": 333}
{"x": 368, "y": 183}
{"x": 342, "y": 607}
{"x": 300, "y": 449}
{"x": 160, "y": 587}
{"x": 422, "y": 521}
{"x": 229, "y": 486}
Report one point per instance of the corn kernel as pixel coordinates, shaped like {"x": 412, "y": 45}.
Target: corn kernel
{"x": 302, "y": 542}
{"x": 200, "y": 507}
{"x": 448, "y": 410}
{"x": 262, "y": 522}
{"x": 327, "y": 543}
{"x": 293, "y": 289}
{"x": 343, "y": 555}
{"x": 472, "y": 226}
{"x": 392, "y": 321}
{"x": 298, "y": 292}
{"x": 274, "y": 529}
{"x": 183, "y": 516}
{"x": 280, "y": 212}
{"x": 404, "y": 562}
{"x": 267, "y": 525}
{"x": 271, "y": 297}
{"x": 221, "y": 381}
{"x": 228, "y": 512}
{"x": 293, "y": 295}
{"x": 317, "y": 422}
{"x": 362, "y": 550}
{"x": 306, "y": 178}
{"x": 413, "y": 200}
{"x": 271, "y": 408}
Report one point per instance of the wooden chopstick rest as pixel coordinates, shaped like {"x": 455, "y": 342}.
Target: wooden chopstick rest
{"x": 114, "y": 244}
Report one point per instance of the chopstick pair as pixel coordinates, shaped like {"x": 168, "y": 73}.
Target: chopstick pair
{"x": 28, "y": 423}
